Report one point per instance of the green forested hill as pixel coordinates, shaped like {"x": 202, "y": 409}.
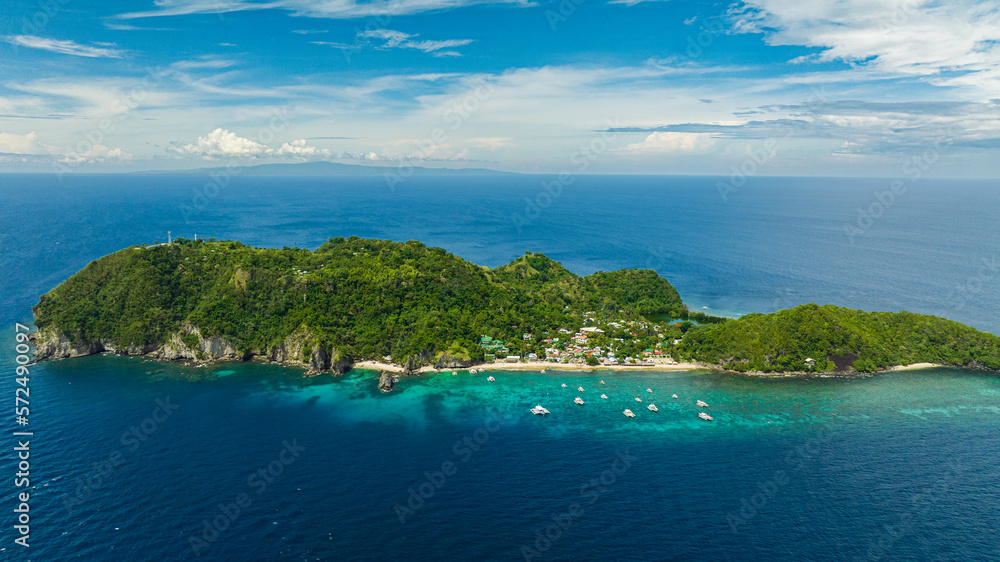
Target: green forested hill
{"x": 838, "y": 339}
{"x": 366, "y": 298}
{"x": 362, "y": 299}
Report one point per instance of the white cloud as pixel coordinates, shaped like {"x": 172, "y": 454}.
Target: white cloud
{"x": 490, "y": 143}
{"x": 12, "y": 143}
{"x": 203, "y": 63}
{"x": 632, "y": 2}
{"x": 334, "y": 9}
{"x": 97, "y": 153}
{"x": 397, "y": 39}
{"x": 300, "y": 150}
{"x": 951, "y": 43}
{"x": 221, "y": 143}
{"x": 63, "y": 47}
{"x": 309, "y": 31}
{"x": 13, "y": 146}
{"x": 673, "y": 142}
{"x": 333, "y": 44}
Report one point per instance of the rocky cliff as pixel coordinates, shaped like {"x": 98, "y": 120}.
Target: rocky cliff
{"x": 301, "y": 348}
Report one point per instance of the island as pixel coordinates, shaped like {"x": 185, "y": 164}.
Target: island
{"x": 364, "y": 302}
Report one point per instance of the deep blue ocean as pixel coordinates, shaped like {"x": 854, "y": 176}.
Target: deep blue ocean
{"x": 130, "y": 458}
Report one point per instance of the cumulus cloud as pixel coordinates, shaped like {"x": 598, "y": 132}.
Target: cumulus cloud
{"x": 12, "y": 143}
{"x": 27, "y": 147}
{"x": 223, "y": 143}
{"x": 673, "y": 142}
{"x": 97, "y": 153}
{"x": 300, "y": 150}
{"x": 63, "y": 47}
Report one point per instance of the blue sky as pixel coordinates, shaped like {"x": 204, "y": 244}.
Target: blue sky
{"x": 848, "y": 87}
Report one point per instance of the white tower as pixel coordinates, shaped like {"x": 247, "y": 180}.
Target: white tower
{"x": 169, "y": 241}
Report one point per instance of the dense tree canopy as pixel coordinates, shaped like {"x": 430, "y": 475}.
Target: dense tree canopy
{"x": 373, "y": 298}
{"x": 367, "y": 298}
{"x": 838, "y": 339}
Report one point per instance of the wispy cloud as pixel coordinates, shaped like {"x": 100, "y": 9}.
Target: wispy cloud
{"x": 333, "y": 44}
{"x": 63, "y": 47}
{"x": 129, "y": 27}
{"x": 309, "y": 31}
{"x": 950, "y": 43}
{"x": 392, "y": 39}
{"x": 203, "y": 63}
{"x": 340, "y": 9}
{"x": 864, "y": 127}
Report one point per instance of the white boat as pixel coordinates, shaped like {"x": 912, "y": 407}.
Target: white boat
{"x": 543, "y": 371}
{"x": 637, "y": 399}
{"x": 491, "y": 379}
{"x": 578, "y": 400}
{"x": 701, "y": 404}
{"x": 473, "y": 371}
{"x": 580, "y": 389}
{"x": 705, "y": 416}
{"x": 604, "y": 396}
{"x": 628, "y": 413}
{"x": 602, "y": 382}
{"x": 653, "y": 408}
{"x": 649, "y": 390}
{"x": 539, "y": 410}
{"x": 564, "y": 385}
{"x": 675, "y": 396}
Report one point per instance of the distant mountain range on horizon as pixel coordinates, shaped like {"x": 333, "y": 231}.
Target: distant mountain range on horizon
{"x": 328, "y": 169}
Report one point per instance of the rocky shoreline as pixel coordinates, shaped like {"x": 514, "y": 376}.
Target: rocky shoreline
{"x": 189, "y": 345}
{"x": 300, "y": 350}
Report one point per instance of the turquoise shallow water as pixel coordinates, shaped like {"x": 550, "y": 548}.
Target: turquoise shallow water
{"x": 855, "y": 453}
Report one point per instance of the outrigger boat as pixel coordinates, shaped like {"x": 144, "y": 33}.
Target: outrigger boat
{"x": 491, "y": 379}
{"x": 604, "y": 396}
{"x": 653, "y": 408}
{"x": 705, "y": 416}
{"x": 539, "y": 410}
{"x": 578, "y": 400}
{"x": 628, "y": 413}
{"x": 701, "y": 404}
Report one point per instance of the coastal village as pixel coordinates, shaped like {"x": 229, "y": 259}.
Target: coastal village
{"x": 617, "y": 342}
